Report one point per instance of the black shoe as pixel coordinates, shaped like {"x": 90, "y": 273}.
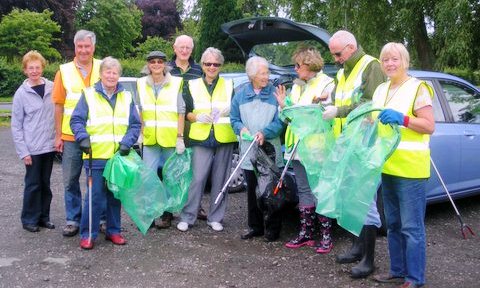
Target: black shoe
{"x": 31, "y": 228}
{"x": 271, "y": 237}
{"x": 250, "y": 235}
{"x": 48, "y": 225}
{"x": 201, "y": 215}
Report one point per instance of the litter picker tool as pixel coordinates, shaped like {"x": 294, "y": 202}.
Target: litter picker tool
{"x": 464, "y": 228}
{"x": 280, "y": 181}
{"x": 234, "y": 171}
{"x": 90, "y": 184}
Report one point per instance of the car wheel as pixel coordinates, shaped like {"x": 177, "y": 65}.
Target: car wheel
{"x": 238, "y": 183}
{"x": 380, "y": 207}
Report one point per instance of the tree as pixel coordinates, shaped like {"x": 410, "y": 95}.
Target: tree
{"x": 154, "y": 43}
{"x": 116, "y": 23}
{"x": 63, "y": 13}
{"x": 160, "y": 18}
{"x": 22, "y": 31}
{"x": 213, "y": 14}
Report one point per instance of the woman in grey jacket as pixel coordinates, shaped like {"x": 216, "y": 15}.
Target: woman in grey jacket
{"x": 34, "y": 137}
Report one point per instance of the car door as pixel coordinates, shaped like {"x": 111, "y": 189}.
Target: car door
{"x": 442, "y": 143}
{"x": 464, "y": 104}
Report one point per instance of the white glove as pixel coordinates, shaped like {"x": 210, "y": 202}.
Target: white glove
{"x": 330, "y": 112}
{"x": 180, "y": 146}
{"x": 204, "y": 118}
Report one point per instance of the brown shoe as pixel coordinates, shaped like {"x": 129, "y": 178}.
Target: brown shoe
{"x": 70, "y": 230}
{"x": 201, "y": 215}
{"x": 165, "y": 221}
{"x": 387, "y": 278}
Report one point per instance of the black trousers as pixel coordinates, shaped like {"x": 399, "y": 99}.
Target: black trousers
{"x": 259, "y": 220}
{"x": 37, "y": 195}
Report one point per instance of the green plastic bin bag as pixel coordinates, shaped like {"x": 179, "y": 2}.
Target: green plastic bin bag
{"x": 177, "y": 175}
{"x": 348, "y": 182}
{"x": 315, "y": 134}
{"x": 141, "y": 192}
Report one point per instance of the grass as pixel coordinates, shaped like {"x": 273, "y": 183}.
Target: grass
{"x": 5, "y": 99}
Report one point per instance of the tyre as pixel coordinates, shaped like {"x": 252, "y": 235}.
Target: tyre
{"x": 238, "y": 183}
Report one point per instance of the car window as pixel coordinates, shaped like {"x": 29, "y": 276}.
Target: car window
{"x": 463, "y": 102}
{"x": 438, "y": 114}
{"x": 280, "y": 54}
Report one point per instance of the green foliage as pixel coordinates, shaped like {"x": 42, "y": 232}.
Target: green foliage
{"x": 132, "y": 67}
{"x": 469, "y": 75}
{"x": 213, "y": 14}
{"x": 154, "y": 43}
{"x": 23, "y": 30}
{"x": 233, "y": 67}
{"x": 116, "y": 23}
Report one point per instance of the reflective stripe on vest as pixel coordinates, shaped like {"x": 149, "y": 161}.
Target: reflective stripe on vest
{"x": 73, "y": 84}
{"x": 312, "y": 89}
{"x": 160, "y": 114}
{"x": 411, "y": 159}
{"x": 106, "y": 126}
{"x": 204, "y": 103}
{"x": 346, "y": 87}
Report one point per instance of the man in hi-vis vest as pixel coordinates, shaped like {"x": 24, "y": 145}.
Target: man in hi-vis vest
{"x": 355, "y": 82}
{"x": 69, "y": 81}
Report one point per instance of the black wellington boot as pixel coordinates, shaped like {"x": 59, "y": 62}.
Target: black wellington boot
{"x": 356, "y": 251}
{"x": 366, "y": 266}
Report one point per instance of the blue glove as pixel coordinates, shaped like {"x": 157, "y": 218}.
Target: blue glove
{"x": 390, "y": 116}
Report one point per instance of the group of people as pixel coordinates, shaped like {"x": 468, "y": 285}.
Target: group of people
{"x": 87, "y": 114}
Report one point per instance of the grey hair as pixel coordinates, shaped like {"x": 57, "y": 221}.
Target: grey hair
{"x": 183, "y": 37}
{"x": 253, "y": 64}
{"x": 215, "y": 52}
{"x": 345, "y": 38}
{"x": 109, "y": 63}
{"x": 146, "y": 71}
{"x": 84, "y": 34}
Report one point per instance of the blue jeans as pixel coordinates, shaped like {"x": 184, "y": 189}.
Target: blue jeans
{"x": 100, "y": 195}
{"x": 404, "y": 201}
{"x": 72, "y": 168}
{"x": 37, "y": 194}
{"x": 155, "y": 156}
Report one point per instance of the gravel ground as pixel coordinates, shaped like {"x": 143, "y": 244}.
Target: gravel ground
{"x": 201, "y": 257}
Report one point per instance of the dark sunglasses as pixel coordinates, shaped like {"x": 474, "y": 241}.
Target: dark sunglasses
{"x": 338, "y": 54}
{"x": 156, "y": 61}
{"x": 212, "y": 64}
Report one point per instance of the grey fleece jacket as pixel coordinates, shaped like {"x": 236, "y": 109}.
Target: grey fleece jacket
{"x": 33, "y": 126}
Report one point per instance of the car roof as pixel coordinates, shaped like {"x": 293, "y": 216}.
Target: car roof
{"x": 424, "y": 74}
{"x": 248, "y": 32}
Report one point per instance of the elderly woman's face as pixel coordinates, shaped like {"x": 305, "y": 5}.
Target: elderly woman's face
{"x": 33, "y": 70}
{"x": 156, "y": 66}
{"x": 109, "y": 77}
{"x": 211, "y": 66}
{"x": 392, "y": 64}
{"x": 260, "y": 80}
{"x": 303, "y": 71}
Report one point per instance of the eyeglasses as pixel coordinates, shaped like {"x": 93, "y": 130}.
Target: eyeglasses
{"x": 297, "y": 66}
{"x": 186, "y": 48}
{"x": 338, "y": 54}
{"x": 212, "y": 64}
{"x": 156, "y": 61}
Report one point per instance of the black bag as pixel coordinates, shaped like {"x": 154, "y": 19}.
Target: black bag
{"x": 268, "y": 174}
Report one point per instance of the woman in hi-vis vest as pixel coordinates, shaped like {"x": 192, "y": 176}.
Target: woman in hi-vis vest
{"x": 104, "y": 121}
{"x": 407, "y": 102}
{"x": 211, "y": 138}
{"x": 312, "y": 86}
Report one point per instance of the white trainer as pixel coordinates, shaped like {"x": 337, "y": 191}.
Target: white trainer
{"x": 182, "y": 226}
{"x": 215, "y": 226}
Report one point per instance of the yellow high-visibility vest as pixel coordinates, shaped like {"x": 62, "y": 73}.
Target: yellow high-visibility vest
{"x": 312, "y": 89}
{"x": 411, "y": 159}
{"x": 204, "y": 103}
{"x": 159, "y": 114}
{"x": 106, "y": 126}
{"x": 346, "y": 88}
{"x": 73, "y": 84}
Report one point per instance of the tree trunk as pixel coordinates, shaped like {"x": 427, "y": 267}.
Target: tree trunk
{"x": 421, "y": 42}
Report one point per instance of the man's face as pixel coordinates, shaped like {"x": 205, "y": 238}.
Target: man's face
{"x": 84, "y": 50}
{"x": 340, "y": 52}
{"x": 183, "y": 49}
